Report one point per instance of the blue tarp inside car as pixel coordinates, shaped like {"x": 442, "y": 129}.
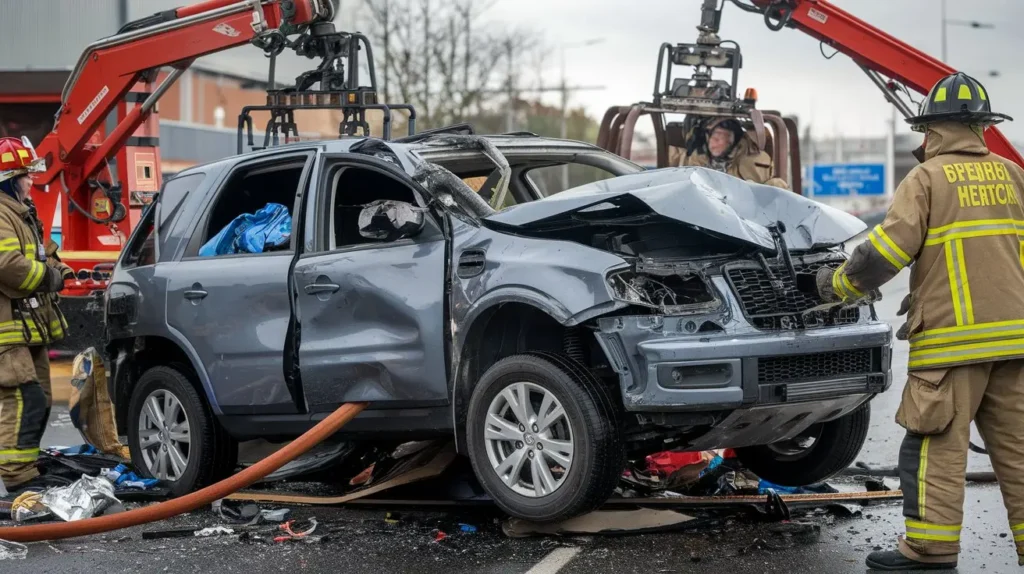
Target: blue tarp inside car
{"x": 269, "y": 227}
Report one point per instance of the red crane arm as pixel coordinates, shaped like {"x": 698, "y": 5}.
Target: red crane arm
{"x": 877, "y": 51}
{"x": 109, "y": 68}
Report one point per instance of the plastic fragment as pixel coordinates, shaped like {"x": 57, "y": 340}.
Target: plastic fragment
{"x": 440, "y": 536}
{"x": 467, "y": 527}
{"x": 12, "y": 550}
{"x": 213, "y": 531}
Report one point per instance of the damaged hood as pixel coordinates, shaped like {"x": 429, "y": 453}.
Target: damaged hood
{"x": 703, "y": 199}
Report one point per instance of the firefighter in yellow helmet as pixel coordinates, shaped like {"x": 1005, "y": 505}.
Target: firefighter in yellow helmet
{"x": 956, "y": 222}
{"x": 30, "y": 277}
{"x": 723, "y": 145}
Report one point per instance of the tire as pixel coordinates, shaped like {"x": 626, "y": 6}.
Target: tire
{"x": 211, "y": 454}
{"x": 597, "y": 447}
{"x": 836, "y": 446}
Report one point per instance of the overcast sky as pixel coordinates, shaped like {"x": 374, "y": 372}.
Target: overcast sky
{"x": 786, "y": 67}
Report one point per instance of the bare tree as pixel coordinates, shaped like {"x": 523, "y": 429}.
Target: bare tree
{"x": 440, "y": 57}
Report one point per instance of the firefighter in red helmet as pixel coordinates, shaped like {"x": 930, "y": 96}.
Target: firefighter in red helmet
{"x": 31, "y": 275}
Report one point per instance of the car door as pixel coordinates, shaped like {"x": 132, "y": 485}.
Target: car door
{"x": 235, "y": 309}
{"x": 370, "y": 312}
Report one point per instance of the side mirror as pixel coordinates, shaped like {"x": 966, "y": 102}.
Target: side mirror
{"x": 386, "y": 220}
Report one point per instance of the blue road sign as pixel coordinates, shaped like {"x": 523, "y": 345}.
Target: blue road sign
{"x": 849, "y": 179}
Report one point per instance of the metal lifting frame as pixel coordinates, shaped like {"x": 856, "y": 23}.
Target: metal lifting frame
{"x": 112, "y": 67}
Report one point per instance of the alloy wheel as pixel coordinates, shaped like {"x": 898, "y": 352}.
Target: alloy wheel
{"x": 529, "y": 439}
{"x": 164, "y": 438}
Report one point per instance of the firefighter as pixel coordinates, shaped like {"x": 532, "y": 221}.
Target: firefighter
{"x": 723, "y": 145}
{"x": 30, "y": 277}
{"x": 956, "y": 222}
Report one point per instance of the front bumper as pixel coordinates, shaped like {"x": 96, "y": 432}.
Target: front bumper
{"x": 675, "y": 364}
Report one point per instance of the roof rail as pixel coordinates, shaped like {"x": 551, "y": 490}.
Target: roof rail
{"x": 463, "y": 129}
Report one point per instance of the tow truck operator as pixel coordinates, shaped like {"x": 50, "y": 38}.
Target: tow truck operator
{"x": 723, "y": 145}
{"x": 956, "y": 221}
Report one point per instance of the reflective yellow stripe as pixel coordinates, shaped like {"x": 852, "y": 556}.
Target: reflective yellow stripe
{"x": 981, "y": 93}
{"x": 965, "y": 283}
{"x": 951, "y": 271}
{"x": 18, "y": 410}
{"x": 888, "y": 248}
{"x": 837, "y": 288}
{"x": 936, "y": 532}
{"x": 921, "y": 469}
{"x": 13, "y": 332}
{"x": 973, "y": 228}
{"x": 964, "y": 93}
{"x": 34, "y": 277}
{"x": 842, "y": 286}
{"x": 940, "y": 95}
{"x": 929, "y": 526}
{"x": 980, "y": 332}
{"x": 19, "y": 455}
{"x": 955, "y": 354}
{"x": 934, "y": 537}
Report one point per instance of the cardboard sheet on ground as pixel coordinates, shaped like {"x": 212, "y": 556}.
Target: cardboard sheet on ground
{"x": 427, "y": 463}
{"x": 600, "y": 522}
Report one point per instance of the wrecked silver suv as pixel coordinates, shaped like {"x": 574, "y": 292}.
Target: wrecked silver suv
{"x": 554, "y": 337}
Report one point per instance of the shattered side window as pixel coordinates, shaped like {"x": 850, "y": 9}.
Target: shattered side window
{"x": 479, "y": 184}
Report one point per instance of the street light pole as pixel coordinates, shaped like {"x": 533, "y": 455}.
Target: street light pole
{"x": 564, "y": 127}
{"x": 944, "y": 30}
{"x": 965, "y": 23}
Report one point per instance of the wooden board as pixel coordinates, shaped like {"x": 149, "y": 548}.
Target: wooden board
{"x": 430, "y": 463}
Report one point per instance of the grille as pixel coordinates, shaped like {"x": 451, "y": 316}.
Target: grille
{"x": 817, "y": 366}
{"x": 771, "y": 310}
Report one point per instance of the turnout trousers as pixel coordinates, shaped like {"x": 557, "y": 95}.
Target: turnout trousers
{"x": 24, "y": 410}
{"x": 937, "y": 409}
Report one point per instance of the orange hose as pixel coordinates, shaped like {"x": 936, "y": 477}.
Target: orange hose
{"x": 189, "y": 502}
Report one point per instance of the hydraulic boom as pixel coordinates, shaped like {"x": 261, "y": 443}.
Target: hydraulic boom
{"x": 874, "y": 50}
{"x": 116, "y": 72}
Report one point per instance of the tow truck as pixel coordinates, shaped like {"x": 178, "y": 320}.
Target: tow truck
{"x": 893, "y": 66}
{"x": 101, "y": 204}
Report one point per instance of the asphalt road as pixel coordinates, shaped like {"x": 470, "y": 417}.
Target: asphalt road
{"x": 361, "y": 541}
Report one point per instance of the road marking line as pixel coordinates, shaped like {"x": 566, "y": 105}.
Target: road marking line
{"x": 555, "y": 561}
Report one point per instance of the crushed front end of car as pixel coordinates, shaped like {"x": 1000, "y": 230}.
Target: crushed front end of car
{"x": 718, "y": 338}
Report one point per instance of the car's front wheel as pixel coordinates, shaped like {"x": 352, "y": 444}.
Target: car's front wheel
{"x": 543, "y": 439}
{"x": 822, "y": 451}
{"x": 172, "y": 434}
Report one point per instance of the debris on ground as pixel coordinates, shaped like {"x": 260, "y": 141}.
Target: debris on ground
{"x": 28, "y": 507}
{"x": 87, "y": 497}
{"x": 322, "y": 457}
{"x": 213, "y": 531}
{"x": 601, "y": 522}
{"x": 12, "y": 550}
{"x": 249, "y": 514}
{"x": 428, "y": 462}
{"x": 291, "y": 534}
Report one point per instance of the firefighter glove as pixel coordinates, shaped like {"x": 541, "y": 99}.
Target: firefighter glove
{"x": 904, "y": 306}
{"x": 53, "y": 281}
{"x": 824, "y": 281}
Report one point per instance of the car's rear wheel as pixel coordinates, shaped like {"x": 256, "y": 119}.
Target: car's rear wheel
{"x": 816, "y": 455}
{"x": 543, "y": 439}
{"x": 173, "y": 435}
